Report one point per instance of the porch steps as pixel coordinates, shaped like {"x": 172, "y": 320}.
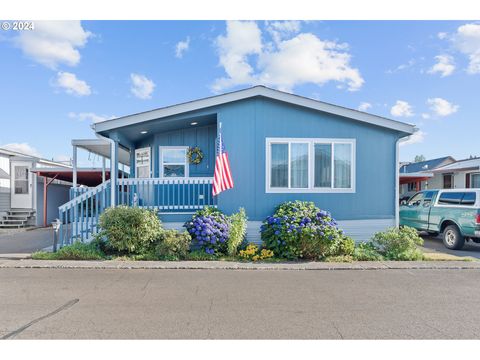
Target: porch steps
{"x": 17, "y": 219}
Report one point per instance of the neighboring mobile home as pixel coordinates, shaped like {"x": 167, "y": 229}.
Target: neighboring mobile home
{"x": 441, "y": 173}
{"x": 418, "y": 176}
{"x": 21, "y": 190}
{"x": 281, "y": 147}
{"x": 458, "y": 175}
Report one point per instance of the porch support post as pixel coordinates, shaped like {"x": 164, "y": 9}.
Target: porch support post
{"x": 45, "y": 197}
{"x": 113, "y": 171}
{"x": 74, "y": 166}
{"x": 45, "y": 201}
{"x": 103, "y": 169}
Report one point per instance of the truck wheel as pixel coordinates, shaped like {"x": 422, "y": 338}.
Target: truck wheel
{"x": 452, "y": 238}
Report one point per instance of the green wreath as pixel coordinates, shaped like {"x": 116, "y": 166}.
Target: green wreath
{"x": 195, "y": 155}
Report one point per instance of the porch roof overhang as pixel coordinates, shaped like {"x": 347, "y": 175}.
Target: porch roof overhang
{"x": 257, "y": 91}
{"x": 85, "y": 176}
{"x": 406, "y": 178}
{"x": 102, "y": 148}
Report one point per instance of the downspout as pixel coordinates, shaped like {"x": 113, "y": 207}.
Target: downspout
{"x": 113, "y": 173}
{"x": 397, "y": 183}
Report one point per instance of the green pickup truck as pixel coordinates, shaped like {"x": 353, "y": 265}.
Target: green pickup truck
{"x": 454, "y": 213}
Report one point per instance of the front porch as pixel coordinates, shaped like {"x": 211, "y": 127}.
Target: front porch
{"x": 154, "y": 172}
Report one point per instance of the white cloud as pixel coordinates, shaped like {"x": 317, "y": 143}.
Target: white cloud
{"x": 285, "y": 64}
{"x": 445, "y": 65}
{"x": 71, "y": 84}
{"x": 364, "y": 106}
{"x": 280, "y": 30}
{"x": 23, "y": 148}
{"x": 415, "y": 138}
{"x": 90, "y": 116}
{"x": 54, "y": 42}
{"x": 243, "y": 38}
{"x": 425, "y": 116}
{"x": 467, "y": 41}
{"x": 401, "y": 109}
{"x": 442, "y": 107}
{"x": 442, "y": 35}
{"x": 182, "y": 47}
{"x": 142, "y": 87}
{"x": 401, "y": 67}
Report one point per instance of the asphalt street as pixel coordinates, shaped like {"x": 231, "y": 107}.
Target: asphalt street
{"x": 239, "y": 304}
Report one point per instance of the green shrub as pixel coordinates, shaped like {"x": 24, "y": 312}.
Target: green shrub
{"x": 173, "y": 245}
{"x": 130, "y": 229}
{"x": 398, "y": 243}
{"x": 238, "y": 230}
{"x": 299, "y": 229}
{"x": 347, "y": 246}
{"x": 366, "y": 251}
{"x": 76, "y": 251}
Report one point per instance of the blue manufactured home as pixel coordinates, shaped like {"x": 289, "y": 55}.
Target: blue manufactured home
{"x": 281, "y": 147}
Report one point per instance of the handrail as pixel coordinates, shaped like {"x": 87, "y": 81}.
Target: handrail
{"x": 84, "y": 196}
{"x": 79, "y": 217}
{"x": 165, "y": 180}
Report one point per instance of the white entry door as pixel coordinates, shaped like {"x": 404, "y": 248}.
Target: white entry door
{"x": 21, "y": 185}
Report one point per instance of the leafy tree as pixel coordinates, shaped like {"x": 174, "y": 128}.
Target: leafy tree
{"x": 419, "y": 158}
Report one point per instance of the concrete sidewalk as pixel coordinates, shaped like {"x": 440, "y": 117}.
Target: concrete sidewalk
{"x": 9, "y": 263}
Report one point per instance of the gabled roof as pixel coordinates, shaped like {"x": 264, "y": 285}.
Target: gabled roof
{"x": 427, "y": 165}
{"x": 461, "y": 165}
{"x": 255, "y": 91}
{"x": 36, "y": 158}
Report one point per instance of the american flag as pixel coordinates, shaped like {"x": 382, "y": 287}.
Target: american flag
{"x": 222, "y": 179}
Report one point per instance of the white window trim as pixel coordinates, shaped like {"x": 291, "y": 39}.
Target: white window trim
{"x": 311, "y": 165}
{"x": 187, "y": 172}
{"x": 471, "y": 174}
{"x": 149, "y": 161}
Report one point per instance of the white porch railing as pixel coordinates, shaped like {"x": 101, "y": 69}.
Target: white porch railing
{"x": 79, "y": 217}
{"x": 166, "y": 195}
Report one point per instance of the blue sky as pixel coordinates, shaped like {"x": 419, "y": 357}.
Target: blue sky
{"x": 60, "y": 77}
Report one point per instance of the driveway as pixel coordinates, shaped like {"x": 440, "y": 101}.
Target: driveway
{"x": 25, "y": 242}
{"x": 435, "y": 244}
{"x": 239, "y": 304}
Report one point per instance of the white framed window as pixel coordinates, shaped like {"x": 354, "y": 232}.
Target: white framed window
{"x": 309, "y": 165}
{"x": 142, "y": 163}
{"x": 474, "y": 180}
{"x": 173, "y": 161}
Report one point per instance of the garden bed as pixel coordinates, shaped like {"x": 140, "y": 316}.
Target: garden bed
{"x": 296, "y": 232}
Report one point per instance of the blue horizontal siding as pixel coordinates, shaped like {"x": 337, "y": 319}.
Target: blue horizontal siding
{"x": 248, "y": 123}
{"x": 245, "y": 126}
{"x": 202, "y": 136}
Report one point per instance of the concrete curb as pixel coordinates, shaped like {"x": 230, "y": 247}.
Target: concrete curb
{"x": 227, "y": 265}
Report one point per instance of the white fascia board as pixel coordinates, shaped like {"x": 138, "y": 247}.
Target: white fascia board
{"x": 417, "y": 174}
{"x": 86, "y": 142}
{"x": 248, "y": 93}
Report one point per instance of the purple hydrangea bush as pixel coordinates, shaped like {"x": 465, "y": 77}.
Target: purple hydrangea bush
{"x": 299, "y": 229}
{"x": 209, "y": 229}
